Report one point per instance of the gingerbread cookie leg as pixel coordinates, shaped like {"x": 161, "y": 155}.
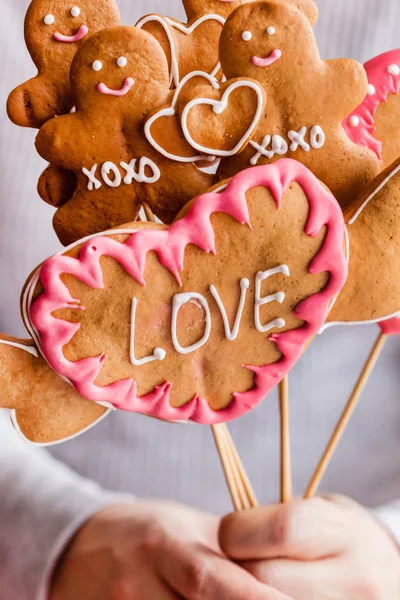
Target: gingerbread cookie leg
{"x": 44, "y": 408}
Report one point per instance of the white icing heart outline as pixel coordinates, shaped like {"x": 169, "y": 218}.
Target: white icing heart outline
{"x": 166, "y": 23}
{"x": 170, "y": 112}
{"x": 219, "y": 106}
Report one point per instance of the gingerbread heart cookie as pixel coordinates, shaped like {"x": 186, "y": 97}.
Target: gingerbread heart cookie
{"x": 118, "y": 77}
{"x": 200, "y": 320}
{"x": 43, "y": 407}
{"x": 373, "y": 123}
{"x": 372, "y": 291}
{"x": 54, "y": 30}
{"x": 273, "y": 43}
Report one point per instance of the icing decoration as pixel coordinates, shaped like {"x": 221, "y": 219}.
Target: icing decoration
{"x": 278, "y": 297}
{"x": 122, "y": 61}
{"x": 68, "y": 39}
{"x": 126, "y": 87}
{"x": 97, "y": 65}
{"x": 231, "y": 335}
{"x": 131, "y": 173}
{"x": 218, "y": 107}
{"x": 378, "y": 189}
{"x": 267, "y": 62}
{"x": 170, "y": 244}
{"x": 49, "y": 20}
{"x": 166, "y": 23}
{"x": 178, "y": 301}
{"x": 246, "y": 36}
{"x": 29, "y": 349}
{"x": 158, "y": 354}
{"x": 271, "y": 30}
{"x": 383, "y": 74}
{"x": 170, "y": 112}
{"x": 75, "y": 11}
{"x": 280, "y": 146}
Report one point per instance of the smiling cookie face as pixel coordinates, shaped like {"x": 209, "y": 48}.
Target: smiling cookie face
{"x": 54, "y": 29}
{"x": 262, "y": 39}
{"x": 123, "y": 65}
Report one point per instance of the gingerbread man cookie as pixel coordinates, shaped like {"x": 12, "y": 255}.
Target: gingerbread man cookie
{"x": 273, "y": 43}
{"x": 200, "y": 320}
{"x": 43, "y": 407}
{"x": 193, "y": 46}
{"x": 54, "y": 30}
{"x": 373, "y": 123}
{"x": 118, "y": 77}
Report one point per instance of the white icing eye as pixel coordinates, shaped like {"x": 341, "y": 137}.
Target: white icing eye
{"x": 122, "y": 61}
{"x": 271, "y": 30}
{"x": 97, "y": 65}
{"x": 75, "y": 11}
{"x": 246, "y": 36}
{"x": 49, "y": 20}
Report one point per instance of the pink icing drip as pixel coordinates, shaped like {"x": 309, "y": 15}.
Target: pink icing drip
{"x": 68, "y": 39}
{"x": 266, "y": 62}
{"x": 391, "y": 326}
{"x": 128, "y": 84}
{"x": 384, "y": 84}
{"x": 195, "y": 228}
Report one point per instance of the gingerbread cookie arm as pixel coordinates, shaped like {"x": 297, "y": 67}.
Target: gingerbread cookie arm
{"x": 36, "y": 101}
{"x": 60, "y": 139}
{"x": 342, "y": 97}
{"x": 44, "y": 408}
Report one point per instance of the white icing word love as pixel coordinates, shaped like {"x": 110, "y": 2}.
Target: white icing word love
{"x": 132, "y": 173}
{"x": 231, "y": 334}
{"x": 279, "y": 146}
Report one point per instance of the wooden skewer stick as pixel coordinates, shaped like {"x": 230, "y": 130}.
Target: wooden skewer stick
{"x": 286, "y": 461}
{"x": 252, "y": 499}
{"x": 346, "y": 416}
{"x": 219, "y": 439}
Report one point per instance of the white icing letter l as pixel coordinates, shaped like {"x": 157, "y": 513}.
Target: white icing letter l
{"x": 158, "y": 354}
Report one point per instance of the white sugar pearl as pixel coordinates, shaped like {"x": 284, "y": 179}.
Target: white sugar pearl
{"x": 246, "y": 36}
{"x": 49, "y": 20}
{"x": 271, "y": 30}
{"x": 393, "y": 70}
{"x": 97, "y": 65}
{"x": 75, "y": 11}
{"x": 354, "y": 121}
{"x": 371, "y": 89}
{"x": 122, "y": 61}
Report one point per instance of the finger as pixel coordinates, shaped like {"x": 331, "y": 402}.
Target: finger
{"x": 322, "y": 579}
{"x": 200, "y": 574}
{"x": 143, "y": 588}
{"x": 302, "y": 530}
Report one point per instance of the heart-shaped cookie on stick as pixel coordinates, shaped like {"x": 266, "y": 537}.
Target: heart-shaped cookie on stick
{"x": 198, "y": 321}
{"x": 44, "y": 408}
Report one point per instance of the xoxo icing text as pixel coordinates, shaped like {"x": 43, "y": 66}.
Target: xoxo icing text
{"x": 142, "y": 170}
{"x": 296, "y": 140}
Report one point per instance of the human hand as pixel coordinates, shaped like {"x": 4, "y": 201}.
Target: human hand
{"x": 319, "y": 549}
{"x": 152, "y": 551}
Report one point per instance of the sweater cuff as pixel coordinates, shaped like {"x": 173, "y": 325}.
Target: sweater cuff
{"x": 389, "y": 516}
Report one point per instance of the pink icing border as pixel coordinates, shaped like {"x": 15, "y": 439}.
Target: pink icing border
{"x": 391, "y": 326}
{"x": 384, "y": 84}
{"x": 194, "y": 228}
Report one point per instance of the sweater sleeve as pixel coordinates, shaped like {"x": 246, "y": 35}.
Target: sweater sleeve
{"x": 389, "y": 516}
{"x": 42, "y": 505}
